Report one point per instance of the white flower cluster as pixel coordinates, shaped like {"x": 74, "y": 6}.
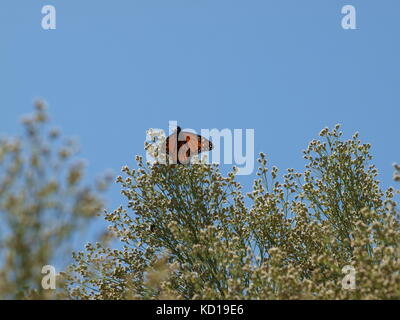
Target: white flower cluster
{"x": 154, "y": 149}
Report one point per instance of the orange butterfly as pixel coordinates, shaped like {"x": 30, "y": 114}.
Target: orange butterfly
{"x": 182, "y": 145}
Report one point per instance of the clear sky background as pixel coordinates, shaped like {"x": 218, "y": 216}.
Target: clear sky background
{"x": 286, "y": 68}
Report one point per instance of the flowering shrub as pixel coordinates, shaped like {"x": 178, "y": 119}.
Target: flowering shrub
{"x": 43, "y": 205}
{"x": 188, "y": 232}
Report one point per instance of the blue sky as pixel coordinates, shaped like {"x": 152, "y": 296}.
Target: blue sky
{"x": 285, "y": 68}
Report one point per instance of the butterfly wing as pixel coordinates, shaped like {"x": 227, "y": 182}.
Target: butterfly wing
{"x": 170, "y": 147}
{"x": 204, "y": 144}
{"x": 180, "y": 147}
{"x": 191, "y": 144}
